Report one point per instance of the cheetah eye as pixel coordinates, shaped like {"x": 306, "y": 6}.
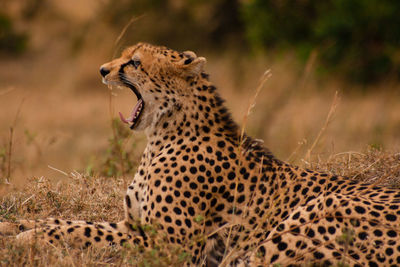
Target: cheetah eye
{"x": 136, "y": 62}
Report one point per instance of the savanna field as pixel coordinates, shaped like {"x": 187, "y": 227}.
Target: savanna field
{"x": 64, "y": 152}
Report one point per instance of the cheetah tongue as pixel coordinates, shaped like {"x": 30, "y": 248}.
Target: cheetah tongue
{"x": 134, "y": 115}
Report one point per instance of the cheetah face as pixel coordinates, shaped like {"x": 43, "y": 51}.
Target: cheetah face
{"x": 158, "y": 76}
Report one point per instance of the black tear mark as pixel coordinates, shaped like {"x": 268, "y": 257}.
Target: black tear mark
{"x": 188, "y": 61}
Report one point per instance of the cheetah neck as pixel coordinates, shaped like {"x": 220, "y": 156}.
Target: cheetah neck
{"x": 200, "y": 116}
{"x": 197, "y": 113}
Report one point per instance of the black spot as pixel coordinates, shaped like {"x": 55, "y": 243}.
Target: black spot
{"x": 206, "y": 130}
{"x": 188, "y": 223}
{"x": 363, "y": 235}
{"x": 177, "y": 210}
{"x": 274, "y": 258}
{"x": 392, "y": 233}
{"x": 168, "y": 198}
{"x": 276, "y": 239}
{"x": 321, "y": 230}
{"x": 193, "y": 170}
{"x": 241, "y": 199}
{"x": 128, "y": 201}
{"x": 389, "y": 251}
{"x": 310, "y": 232}
{"x": 282, "y": 246}
{"x": 295, "y": 230}
{"x": 231, "y": 175}
{"x": 318, "y": 255}
{"x": 360, "y": 209}
{"x": 226, "y": 165}
{"x": 221, "y": 144}
{"x": 167, "y": 219}
{"x": 301, "y": 244}
{"x": 296, "y": 215}
{"x": 191, "y": 211}
{"x": 192, "y": 186}
{"x": 391, "y": 217}
{"x": 109, "y": 238}
{"x": 87, "y": 231}
{"x": 378, "y": 233}
{"x": 331, "y": 230}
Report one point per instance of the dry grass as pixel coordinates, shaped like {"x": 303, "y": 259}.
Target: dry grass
{"x": 78, "y": 198}
{"x": 100, "y": 199}
{"x": 373, "y": 166}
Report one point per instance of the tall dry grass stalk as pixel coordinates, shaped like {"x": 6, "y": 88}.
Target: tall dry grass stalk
{"x": 7, "y": 177}
{"x": 252, "y": 103}
{"x": 122, "y": 34}
{"x": 328, "y": 120}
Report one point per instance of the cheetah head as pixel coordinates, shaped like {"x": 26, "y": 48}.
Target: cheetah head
{"x": 158, "y": 76}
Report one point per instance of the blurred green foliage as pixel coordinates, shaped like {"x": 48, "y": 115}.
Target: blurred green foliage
{"x": 191, "y": 24}
{"x": 119, "y": 158}
{"x": 359, "y": 38}
{"x": 10, "y": 40}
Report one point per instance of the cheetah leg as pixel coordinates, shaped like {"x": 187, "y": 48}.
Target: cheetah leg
{"x": 82, "y": 234}
{"x": 13, "y": 228}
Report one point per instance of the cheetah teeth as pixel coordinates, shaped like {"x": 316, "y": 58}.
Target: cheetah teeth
{"x": 134, "y": 114}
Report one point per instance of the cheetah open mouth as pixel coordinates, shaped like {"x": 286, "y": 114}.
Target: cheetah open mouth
{"x": 137, "y": 109}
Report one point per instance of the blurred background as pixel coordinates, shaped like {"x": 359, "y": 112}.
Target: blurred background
{"x": 56, "y": 116}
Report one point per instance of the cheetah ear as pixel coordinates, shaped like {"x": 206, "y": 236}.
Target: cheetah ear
{"x": 193, "y": 65}
{"x": 196, "y": 66}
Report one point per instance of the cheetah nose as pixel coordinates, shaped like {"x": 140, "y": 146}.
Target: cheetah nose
{"x": 104, "y": 71}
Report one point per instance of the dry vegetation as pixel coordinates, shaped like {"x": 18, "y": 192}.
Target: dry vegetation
{"x": 78, "y": 197}
{"x": 100, "y": 199}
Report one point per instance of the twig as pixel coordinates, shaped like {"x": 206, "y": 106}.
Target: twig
{"x": 308, "y": 68}
{"x": 366, "y": 169}
{"x": 10, "y": 144}
{"x": 6, "y": 91}
{"x": 267, "y": 74}
{"x": 9, "y": 155}
{"x": 57, "y": 170}
{"x": 132, "y": 20}
{"x": 324, "y": 127}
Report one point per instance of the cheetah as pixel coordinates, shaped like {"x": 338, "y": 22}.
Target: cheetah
{"x": 200, "y": 176}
